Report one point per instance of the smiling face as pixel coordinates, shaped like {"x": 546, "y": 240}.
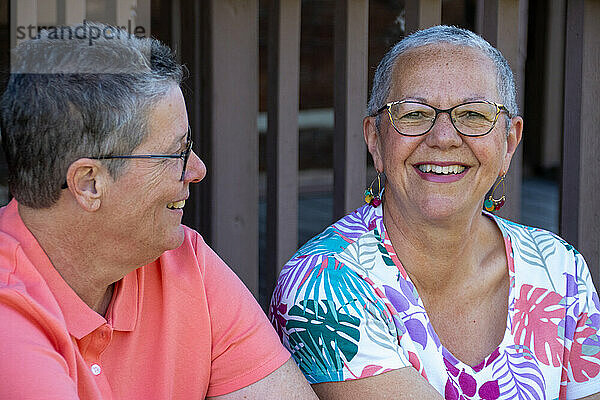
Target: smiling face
{"x": 144, "y": 205}
{"x": 442, "y": 172}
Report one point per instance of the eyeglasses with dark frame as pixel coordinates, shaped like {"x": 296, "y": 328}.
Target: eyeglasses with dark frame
{"x": 414, "y": 118}
{"x": 184, "y": 155}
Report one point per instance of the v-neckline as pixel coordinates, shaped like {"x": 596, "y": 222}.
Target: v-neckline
{"x": 447, "y": 354}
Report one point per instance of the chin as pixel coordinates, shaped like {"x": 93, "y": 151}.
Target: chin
{"x": 175, "y": 239}
{"x": 437, "y": 209}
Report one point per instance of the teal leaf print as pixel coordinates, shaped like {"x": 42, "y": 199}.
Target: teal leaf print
{"x": 361, "y": 254}
{"x": 319, "y": 335}
{"x": 334, "y": 281}
{"x": 327, "y": 242}
{"x": 535, "y": 246}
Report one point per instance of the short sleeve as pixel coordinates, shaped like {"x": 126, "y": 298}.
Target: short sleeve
{"x": 30, "y": 365}
{"x": 245, "y": 348}
{"x": 583, "y": 365}
{"x": 333, "y": 323}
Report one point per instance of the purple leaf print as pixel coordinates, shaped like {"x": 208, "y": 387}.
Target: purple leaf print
{"x": 451, "y": 393}
{"x": 571, "y": 285}
{"x": 593, "y": 321}
{"x": 596, "y": 300}
{"x": 518, "y": 375}
{"x": 489, "y": 391}
{"x": 467, "y": 383}
{"x": 487, "y": 361}
{"x": 450, "y": 367}
{"x": 417, "y": 331}
{"x": 433, "y": 335}
{"x": 566, "y": 327}
{"x": 397, "y": 299}
{"x": 409, "y": 291}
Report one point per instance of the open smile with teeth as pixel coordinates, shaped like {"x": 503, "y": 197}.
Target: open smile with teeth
{"x": 176, "y": 205}
{"x": 439, "y": 170}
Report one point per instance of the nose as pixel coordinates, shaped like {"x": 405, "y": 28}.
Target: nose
{"x": 443, "y": 134}
{"x": 196, "y": 170}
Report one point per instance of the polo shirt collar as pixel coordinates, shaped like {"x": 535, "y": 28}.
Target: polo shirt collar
{"x": 80, "y": 319}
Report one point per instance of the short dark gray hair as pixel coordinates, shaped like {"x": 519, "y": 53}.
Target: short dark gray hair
{"x": 69, "y": 97}
{"x": 435, "y": 35}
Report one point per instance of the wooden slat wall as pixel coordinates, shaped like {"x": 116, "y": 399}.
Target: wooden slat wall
{"x": 23, "y": 13}
{"x": 190, "y": 35}
{"x": 589, "y": 182}
{"x": 421, "y": 14}
{"x": 350, "y": 98}
{"x": 503, "y": 23}
{"x": 282, "y": 135}
{"x": 234, "y": 135}
{"x": 74, "y": 11}
{"x": 580, "y": 219}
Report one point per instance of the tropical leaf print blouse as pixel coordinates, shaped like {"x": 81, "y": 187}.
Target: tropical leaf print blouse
{"x": 346, "y": 309}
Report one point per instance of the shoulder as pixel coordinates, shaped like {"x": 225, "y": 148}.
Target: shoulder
{"x": 323, "y": 256}
{"x": 542, "y": 258}
{"x": 338, "y": 236}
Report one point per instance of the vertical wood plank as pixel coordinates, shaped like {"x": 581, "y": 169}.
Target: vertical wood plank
{"x": 282, "y": 135}
{"x": 234, "y": 135}
{"x": 193, "y": 47}
{"x": 571, "y": 176}
{"x": 23, "y": 14}
{"x": 46, "y": 13}
{"x": 74, "y": 11}
{"x": 589, "y": 182}
{"x": 553, "y": 103}
{"x": 421, "y": 14}
{"x": 124, "y": 15}
{"x": 505, "y": 27}
{"x": 349, "y": 150}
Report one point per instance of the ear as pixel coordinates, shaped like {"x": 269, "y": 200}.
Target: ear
{"x": 87, "y": 179}
{"x": 512, "y": 140}
{"x": 373, "y": 141}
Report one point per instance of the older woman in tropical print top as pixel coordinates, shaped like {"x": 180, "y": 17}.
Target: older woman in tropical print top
{"x": 426, "y": 295}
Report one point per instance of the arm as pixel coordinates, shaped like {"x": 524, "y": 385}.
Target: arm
{"x": 248, "y": 360}
{"x": 380, "y": 387}
{"x": 347, "y": 349}
{"x": 592, "y": 397}
{"x": 30, "y": 365}
{"x": 287, "y": 382}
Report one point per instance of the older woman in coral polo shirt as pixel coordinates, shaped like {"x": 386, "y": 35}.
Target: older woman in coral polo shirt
{"x": 103, "y": 293}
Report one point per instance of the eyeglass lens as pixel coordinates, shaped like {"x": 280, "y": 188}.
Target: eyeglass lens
{"x": 186, "y": 153}
{"x": 470, "y": 119}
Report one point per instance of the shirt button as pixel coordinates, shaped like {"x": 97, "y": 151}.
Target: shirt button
{"x": 96, "y": 369}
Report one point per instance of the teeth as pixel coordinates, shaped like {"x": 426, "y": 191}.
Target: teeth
{"x": 438, "y": 169}
{"x": 176, "y": 205}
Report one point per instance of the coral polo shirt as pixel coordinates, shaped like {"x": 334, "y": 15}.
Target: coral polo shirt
{"x": 182, "y": 327}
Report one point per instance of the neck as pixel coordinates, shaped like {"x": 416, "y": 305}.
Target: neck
{"x": 439, "y": 254}
{"x": 75, "y": 254}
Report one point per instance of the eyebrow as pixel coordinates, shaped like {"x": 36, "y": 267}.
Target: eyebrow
{"x": 464, "y": 100}
{"x": 177, "y": 141}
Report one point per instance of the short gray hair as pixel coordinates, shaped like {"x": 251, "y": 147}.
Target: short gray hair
{"x": 69, "y": 98}
{"x": 442, "y": 34}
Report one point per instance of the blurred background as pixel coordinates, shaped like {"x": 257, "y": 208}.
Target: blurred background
{"x": 277, "y": 90}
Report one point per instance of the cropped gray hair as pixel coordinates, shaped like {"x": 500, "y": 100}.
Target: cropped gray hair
{"x": 435, "y": 35}
{"x": 69, "y": 97}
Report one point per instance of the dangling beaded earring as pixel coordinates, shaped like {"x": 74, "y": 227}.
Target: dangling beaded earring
{"x": 492, "y": 204}
{"x": 374, "y": 199}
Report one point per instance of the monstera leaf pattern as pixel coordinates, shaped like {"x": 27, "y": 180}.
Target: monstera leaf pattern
{"x": 321, "y": 336}
{"x": 347, "y": 309}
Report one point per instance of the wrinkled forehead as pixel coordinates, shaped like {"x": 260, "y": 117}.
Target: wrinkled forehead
{"x": 437, "y": 68}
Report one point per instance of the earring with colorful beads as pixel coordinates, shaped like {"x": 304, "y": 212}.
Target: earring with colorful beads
{"x": 374, "y": 199}
{"x": 492, "y": 204}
